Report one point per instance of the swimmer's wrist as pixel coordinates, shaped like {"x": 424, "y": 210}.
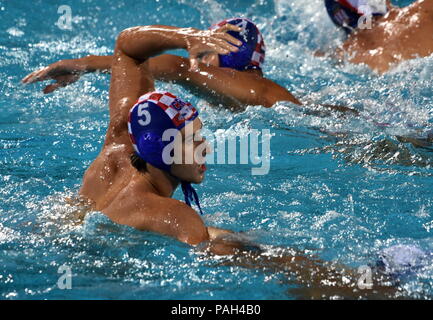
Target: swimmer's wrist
{"x": 93, "y": 63}
{"x": 185, "y": 37}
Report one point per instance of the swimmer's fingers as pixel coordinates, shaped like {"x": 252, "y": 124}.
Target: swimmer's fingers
{"x": 195, "y": 53}
{"x": 224, "y": 44}
{"x": 223, "y": 33}
{"x": 210, "y": 42}
{"x": 54, "y": 71}
{"x": 38, "y": 75}
{"x": 229, "y": 27}
{"x": 52, "y": 87}
{"x": 62, "y": 82}
{"x": 231, "y": 39}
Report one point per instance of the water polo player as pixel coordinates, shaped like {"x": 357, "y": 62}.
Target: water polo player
{"x": 381, "y": 35}
{"x": 131, "y": 180}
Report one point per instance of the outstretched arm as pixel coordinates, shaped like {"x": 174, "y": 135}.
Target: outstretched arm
{"x": 156, "y": 38}
{"x": 219, "y": 84}
{"x": 68, "y": 71}
{"x": 244, "y": 88}
{"x": 313, "y": 277}
{"x": 233, "y": 88}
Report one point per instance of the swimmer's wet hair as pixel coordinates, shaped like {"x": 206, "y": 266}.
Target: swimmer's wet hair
{"x": 138, "y": 163}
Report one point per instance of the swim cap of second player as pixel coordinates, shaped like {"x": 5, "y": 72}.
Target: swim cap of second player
{"x": 346, "y": 13}
{"x": 251, "y": 54}
{"x": 153, "y": 114}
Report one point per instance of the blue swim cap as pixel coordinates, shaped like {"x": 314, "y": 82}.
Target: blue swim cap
{"x": 154, "y": 113}
{"x": 251, "y": 54}
{"x": 346, "y": 13}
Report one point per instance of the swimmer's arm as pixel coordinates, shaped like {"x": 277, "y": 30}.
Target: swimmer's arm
{"x": 141, "y": 43}
{"x": 248, "y": 88}
{"x": 244, "y": 87}
{"x": 215, "y": 233}
{"x": 314, "y": 278}
{"x": 144, "y": 42}
{"x": 68, "y": 71}
{"x": 94, "y": 63}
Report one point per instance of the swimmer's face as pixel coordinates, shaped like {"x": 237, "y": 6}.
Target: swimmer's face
{"x": 194, "y": 149}
{"x": 210, "y": 59}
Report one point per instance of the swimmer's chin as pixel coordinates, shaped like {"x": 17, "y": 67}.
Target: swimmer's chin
{"x": 201, "y": 174}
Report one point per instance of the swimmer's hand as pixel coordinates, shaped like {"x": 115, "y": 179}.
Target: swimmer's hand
{"x": 64, "y": 72}
{"x": 200, "y": 43}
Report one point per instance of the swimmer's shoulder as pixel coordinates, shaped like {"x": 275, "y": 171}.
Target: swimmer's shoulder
{"x": 147, "y": 211}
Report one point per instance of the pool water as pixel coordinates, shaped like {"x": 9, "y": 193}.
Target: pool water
{"x": 344, "y": 188}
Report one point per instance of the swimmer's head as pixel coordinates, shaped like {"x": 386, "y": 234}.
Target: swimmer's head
{"x": 251, "y": 54}
{"x": 347, "y": 13}
{"x": 164, "y": 129}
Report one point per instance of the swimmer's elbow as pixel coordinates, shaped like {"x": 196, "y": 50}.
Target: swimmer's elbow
{"x": 133, "y": 43}
{"x": 194, "y": 232}
{"x": 123, "y": 38}
{"x": 194, "y": 237}
{"x": 275, "y": 93}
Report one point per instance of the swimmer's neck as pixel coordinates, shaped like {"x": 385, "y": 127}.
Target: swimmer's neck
{"x": 156, "y": 181}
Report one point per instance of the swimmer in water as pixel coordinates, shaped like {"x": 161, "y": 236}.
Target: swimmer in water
{"x": 131, "y": 182}
{"x": 381, "y": 35}
{"x": 233, "y": 80}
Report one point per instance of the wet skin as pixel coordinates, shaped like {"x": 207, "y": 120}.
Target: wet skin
{"x": 402, "y": 34}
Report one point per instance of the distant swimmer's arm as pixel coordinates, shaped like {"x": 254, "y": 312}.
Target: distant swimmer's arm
{"x": 318, "y": 279}
{"x": 156, "y": 39}
{"x": 244, "y": 87}
{"x": 66, "y": 72}
{"x": 248, "y": 88}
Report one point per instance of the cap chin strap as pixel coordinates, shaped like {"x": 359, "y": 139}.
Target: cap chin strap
{"x": 190, "y": 195}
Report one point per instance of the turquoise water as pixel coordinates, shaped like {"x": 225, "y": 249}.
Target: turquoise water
{"x": 344, "y": 188}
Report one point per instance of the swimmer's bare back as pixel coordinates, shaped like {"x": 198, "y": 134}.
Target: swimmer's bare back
{"x": 402, "y": 34}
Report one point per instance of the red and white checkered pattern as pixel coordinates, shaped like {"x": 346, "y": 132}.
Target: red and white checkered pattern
{"x": 178, "y": 111}
{"x": 258, "y": 57}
